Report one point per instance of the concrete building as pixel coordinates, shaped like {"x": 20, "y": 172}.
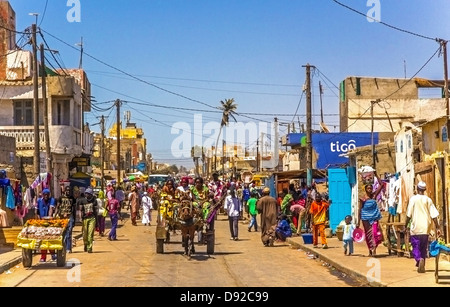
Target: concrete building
{"x": 397, "y": 100}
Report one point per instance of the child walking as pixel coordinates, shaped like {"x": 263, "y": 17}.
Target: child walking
{"x": 347, "y": 236}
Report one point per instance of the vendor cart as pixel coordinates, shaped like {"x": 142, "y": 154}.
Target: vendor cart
{"x": 44, "y": 234}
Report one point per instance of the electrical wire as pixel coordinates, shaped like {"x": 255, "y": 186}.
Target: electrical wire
{"x": 43, "y": 14}
{"x": 134, "y": 77}
{"x": 385, "y": 24}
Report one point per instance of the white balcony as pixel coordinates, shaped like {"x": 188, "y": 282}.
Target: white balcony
{"x": 63, "y": 139}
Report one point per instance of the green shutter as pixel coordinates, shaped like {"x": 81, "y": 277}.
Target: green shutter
{"x": 358, "y": 86}
{"x": 342, "y": 91}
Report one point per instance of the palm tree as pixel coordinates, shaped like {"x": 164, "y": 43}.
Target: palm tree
{"x": 228, "y": 108}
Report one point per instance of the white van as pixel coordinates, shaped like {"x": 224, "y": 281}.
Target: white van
{"x": 157, "y": 178}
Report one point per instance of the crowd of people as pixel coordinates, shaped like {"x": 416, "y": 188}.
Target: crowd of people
{"x": 297, "y": 209}
{"x": 279, "y": 218}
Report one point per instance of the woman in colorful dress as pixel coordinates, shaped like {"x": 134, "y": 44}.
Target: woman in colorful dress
{"x": 369, "y": 215}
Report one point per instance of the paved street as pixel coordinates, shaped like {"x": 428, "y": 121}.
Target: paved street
{"x": 132, "y": 261}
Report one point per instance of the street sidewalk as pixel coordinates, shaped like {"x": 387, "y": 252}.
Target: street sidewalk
{"x": 383, "y": 270}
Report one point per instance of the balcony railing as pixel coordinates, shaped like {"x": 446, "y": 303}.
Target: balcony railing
{"x": 63, "y": 139}
{"x": 24, "y": 136}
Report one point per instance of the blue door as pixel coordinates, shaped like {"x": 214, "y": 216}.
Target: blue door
{"x": 340, "y": 193}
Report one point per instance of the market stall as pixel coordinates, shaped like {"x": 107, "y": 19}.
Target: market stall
{"x": 43, "y": 234}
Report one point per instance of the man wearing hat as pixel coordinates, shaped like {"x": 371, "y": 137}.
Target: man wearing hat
{"x": 46, "y": 207}
{"x": 268, "y": 207}
{"x": 421, "y": 211}
{"x": 147, "y": 206}
{"x": 87, "y": 204}
{"x": 66, "y": 209}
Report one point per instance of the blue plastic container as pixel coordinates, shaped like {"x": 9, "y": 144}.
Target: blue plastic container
{"x": 307, "y": 238}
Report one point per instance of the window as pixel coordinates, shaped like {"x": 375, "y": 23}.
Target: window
{"x": 62, "y": 113}
{"x": 23, "y": 113}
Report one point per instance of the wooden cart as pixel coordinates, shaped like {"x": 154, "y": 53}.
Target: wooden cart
{"x": 168, "y": 219}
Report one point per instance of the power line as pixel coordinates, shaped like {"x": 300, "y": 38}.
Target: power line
{"x": 205, "y": 80}
{"x": 385, "y": 24}
{"x": 43, "y": 14}
{"x": 134, "y": 77}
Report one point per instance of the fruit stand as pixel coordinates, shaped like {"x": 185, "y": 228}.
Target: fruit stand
{"x": 44, "y": 234}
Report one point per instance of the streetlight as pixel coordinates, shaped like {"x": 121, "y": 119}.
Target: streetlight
{"x": 35, "y": 15}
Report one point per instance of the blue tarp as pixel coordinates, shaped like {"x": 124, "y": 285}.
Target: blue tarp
{"x": 436, "y": 248}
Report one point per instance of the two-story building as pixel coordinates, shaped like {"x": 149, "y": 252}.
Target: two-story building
{"x": 68, "y": 95}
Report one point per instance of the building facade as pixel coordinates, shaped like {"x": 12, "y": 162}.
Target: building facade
{"x": 68, "y": 97}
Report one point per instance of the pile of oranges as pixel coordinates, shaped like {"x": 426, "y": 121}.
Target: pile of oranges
{"x": 61, "y": 223}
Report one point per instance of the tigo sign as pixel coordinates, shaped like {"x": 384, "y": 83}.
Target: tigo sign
{"x": 330, "y": 147}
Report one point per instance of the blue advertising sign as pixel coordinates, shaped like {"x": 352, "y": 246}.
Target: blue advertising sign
{"x": 330, "y": 147}
{"x": 141, "y": 166}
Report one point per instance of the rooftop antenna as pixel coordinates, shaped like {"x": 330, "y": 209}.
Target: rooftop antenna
{"x": 404, "y": 67}
{"x": 81, "y": 53}
{"x": 127, "y": 116}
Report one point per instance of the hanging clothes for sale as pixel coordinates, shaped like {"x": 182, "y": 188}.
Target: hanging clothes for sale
{"x": 42, "y": 180}
{"x": 10, "y": 200}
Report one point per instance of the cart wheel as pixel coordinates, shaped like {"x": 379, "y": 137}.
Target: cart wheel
{"x": 159, "y": 246}
{"x": 61, "y": 257}
{"x": 210, "y": 244}
{"x": 27, "y": 257}
{"x": 168, "y": 236}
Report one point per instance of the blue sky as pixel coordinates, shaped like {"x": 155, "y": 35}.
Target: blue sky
{"x": 193, "y": 54}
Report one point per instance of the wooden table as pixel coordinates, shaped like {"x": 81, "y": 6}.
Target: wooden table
{"x": 436, "y": 268}
{"x": 398, "y": 239}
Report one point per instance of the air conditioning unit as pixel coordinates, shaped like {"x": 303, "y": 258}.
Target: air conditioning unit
{"x": 18, "y": 66}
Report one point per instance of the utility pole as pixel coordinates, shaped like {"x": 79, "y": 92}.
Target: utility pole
{"x": 257, "y": 155}
{"x": 102, "y": 152}
{"x": 374, "y": 160}
{"x": 45, "y": 113}
{"x": 308, "y": 126}
{"x": 223, "y": 158}
{"x": 321, "y": 104}
{"x": 444, "y": 51}
{"x": 36, "y": 156}
{"x": 118, "y": 140}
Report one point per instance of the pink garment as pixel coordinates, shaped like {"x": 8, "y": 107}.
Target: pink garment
{"x": 377, "y": 235}
{"x": 3, "y": 219}
{"x": 297, "y": 208}
{"x": 21, "y": 211}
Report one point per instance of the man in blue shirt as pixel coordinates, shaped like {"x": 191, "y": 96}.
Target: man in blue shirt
{"x": 45, "y": 209}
